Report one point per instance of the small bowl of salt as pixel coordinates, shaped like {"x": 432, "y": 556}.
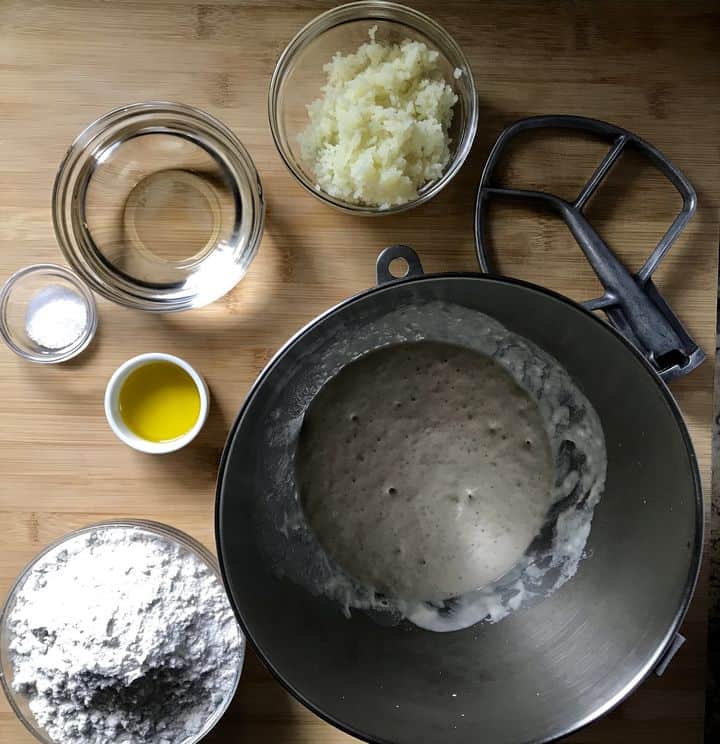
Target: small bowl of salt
{"x": 47, "y": 314}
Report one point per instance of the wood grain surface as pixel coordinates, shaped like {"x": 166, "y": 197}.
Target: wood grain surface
{"x": 652, "y": 68}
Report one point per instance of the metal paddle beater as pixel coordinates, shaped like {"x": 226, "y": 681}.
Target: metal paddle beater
{"x": 632, "y": 304}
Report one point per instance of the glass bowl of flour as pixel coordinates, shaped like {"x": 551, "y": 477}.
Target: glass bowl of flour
{"x": 120, "y": 632}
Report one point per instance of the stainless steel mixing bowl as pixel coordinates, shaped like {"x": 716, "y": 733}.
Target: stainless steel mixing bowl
{"x": 545, "y": 670}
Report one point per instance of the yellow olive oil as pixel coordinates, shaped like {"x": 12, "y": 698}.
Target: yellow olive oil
{"x": 159, "y": 401}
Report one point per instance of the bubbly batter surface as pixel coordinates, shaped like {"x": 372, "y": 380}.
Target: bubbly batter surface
{"x": 424, "y": 470}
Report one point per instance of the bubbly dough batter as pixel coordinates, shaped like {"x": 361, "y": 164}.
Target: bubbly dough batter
{"x": 424, "y": 470}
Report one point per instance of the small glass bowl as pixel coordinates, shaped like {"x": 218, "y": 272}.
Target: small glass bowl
{"x": 159, "y": 207}
{"x": 19, "y": 703}
{"x": 299, "y": 77}
{"x": 17, "y": 297}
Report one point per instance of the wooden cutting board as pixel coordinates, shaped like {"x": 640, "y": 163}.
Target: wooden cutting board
{"x": 652, "y": 68}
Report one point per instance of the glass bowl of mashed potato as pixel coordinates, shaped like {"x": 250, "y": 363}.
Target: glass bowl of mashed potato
{"x": 373, "y": 107}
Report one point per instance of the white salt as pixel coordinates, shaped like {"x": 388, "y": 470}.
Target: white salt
{"x": 56, "y": 317}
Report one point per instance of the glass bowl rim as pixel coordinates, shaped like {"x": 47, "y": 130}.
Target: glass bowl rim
{"x": 49, "y": 269}
{"x": 157, "y": 528}
{"x": 363, "y": 11}
{"x": 125, "y": 291}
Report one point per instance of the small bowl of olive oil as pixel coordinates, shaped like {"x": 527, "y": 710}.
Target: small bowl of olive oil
{"x": 156, "y": 403}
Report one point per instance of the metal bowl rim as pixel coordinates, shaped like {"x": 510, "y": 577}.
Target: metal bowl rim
{"x": 691, "y": 582}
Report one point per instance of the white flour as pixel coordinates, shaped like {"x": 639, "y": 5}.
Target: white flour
{"x": 120, "y": 635}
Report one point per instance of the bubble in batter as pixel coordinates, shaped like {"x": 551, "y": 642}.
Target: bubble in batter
{"x": 424, "y": 470}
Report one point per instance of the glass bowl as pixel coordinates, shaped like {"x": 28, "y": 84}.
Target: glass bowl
{"x": 28, "y": 290}
{"x": 299, "y": 77}
{"x": 158, "y": 206}
{"x": 19, "y": 703}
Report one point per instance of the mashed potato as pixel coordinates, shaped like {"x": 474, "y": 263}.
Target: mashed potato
{"x": 380, "y": 130}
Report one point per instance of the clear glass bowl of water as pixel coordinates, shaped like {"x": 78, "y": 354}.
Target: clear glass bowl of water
{"x": 158, "y": 206}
